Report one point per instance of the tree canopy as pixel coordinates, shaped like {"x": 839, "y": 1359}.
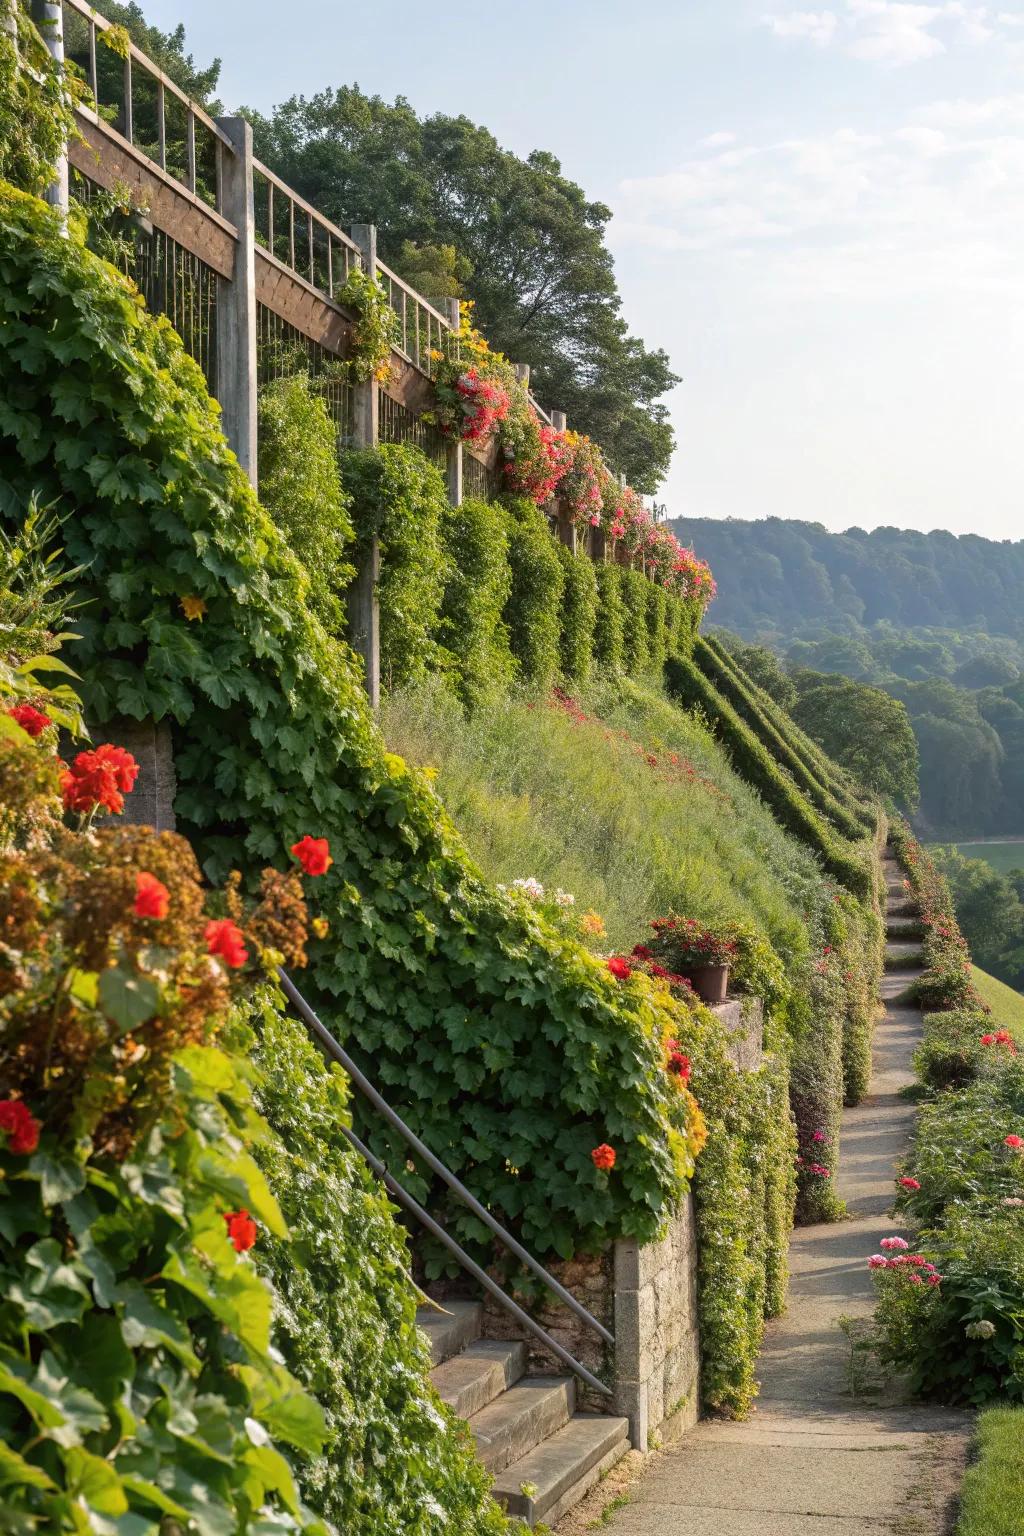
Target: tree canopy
{"x": 864, "y": 729}
{"x": 526, "y": 243}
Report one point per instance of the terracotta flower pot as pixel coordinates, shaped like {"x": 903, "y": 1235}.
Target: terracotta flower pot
{"x": 710, "y": 982}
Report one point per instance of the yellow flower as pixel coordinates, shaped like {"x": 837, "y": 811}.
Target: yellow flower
{"x": 193, "y": 608}
{"x": 321, "y": 927}
{"x": 592, "y": 924}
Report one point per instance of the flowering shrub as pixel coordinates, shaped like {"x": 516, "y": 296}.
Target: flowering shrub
{"x": 946, "y": 981}
{"x": 376, "y": 329}
{"x": 685, "y": 944}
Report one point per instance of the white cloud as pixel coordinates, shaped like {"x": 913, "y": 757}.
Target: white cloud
{"x": 813, "y": 26}
{"x": 894, "y": 32}
{"x": 718, "y": 140}
{"x": 934, "y": 205}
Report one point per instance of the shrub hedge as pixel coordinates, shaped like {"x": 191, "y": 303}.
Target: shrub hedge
{"x": 300, "y": 486}
{"x": 686, "y": 681}
{"x": 501, "y": 1044}
{"x": 578, "y": 615}
{"x": 823, "y": 769}
{"x": 636, "y": 646}
{"x": 477, "y": 586}
{"x": 946, "y": 982}
{"x": 608, "y": 626}
{"x": 772, "y": 734}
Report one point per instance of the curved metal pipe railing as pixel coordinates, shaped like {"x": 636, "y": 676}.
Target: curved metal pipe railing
{"x": 332, "y": 1048}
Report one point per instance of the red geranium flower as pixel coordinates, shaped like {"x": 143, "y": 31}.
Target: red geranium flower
{"x": 314, "y": 854}
{"x": 242, "y": 1230}
{"x": 642, "y": 952}
{"x": 909, "y": 1184}
{"x": 20, "y": 1124}
{"x": 30, "y": 719}
{"x": 225, "y": 938}
{"x": 102, "y": 777}
{"x": 603, "y": 1156}
{"x": 1015, "y": 1142}
{"x": 619, "y": 967}
{"x": 988, "y": 1039}
{"x": 679, "y": 1065}
{"x": 152, "y": 897}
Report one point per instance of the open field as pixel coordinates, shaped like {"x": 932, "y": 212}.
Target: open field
{"x": 1007, "y": 1005}
{"x": 1001, "y": 855}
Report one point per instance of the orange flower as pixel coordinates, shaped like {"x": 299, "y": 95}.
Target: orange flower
{"x": 603, "y": 1156}
{"x": 193, "y": 608}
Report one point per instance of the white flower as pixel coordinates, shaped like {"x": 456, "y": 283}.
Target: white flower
{"x": 565, "y": 898}
{"x": 982, "y": 1330}
{"x": 529, "y": 887}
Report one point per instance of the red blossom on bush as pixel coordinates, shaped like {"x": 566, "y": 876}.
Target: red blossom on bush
{"x": 242, "y": 1230}
{"x": 1015, "y": 1143}
{"x": 225, "y": 939}
{"x": 102, "y": 777}
{"x": 30, "y": 719}
{"x": 603, "y": 1156}
{"x": 20, "y": 1126}
{"x": 314, "y": 854}
{"x": 152, "y": 898}
{"x": 620, "y": 967}
{"x": 908, "y": 1183}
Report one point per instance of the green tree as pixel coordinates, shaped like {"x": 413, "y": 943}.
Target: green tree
{"x": 761, "y": 665}
{"x": 532, "y": 243}
{"x": 864, "y": 729}
{"x": 166, "y": 49}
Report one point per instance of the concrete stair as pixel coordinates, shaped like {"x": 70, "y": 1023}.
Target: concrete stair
{"x": 543, "y": 1455}
{"x": 903, "y": 956}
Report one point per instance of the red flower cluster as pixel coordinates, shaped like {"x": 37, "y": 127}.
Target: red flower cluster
{"x": 20, "y": 1126}
{"x": 30, "y": 719}
{"x": 603, "y": 1156}
{"x": 152, "y": 898}
{"x": 102, "y": 777}
{"x": 314, "y": 854}
{"x": 620, "y": 967}
{"x": 242, "y": 1230}
{"x": 908, "y": 1183}
{"x": 1001, "y": 1037}
{"x": 678, "y": 1064}
{"x": 539, "y": 477}
{"x": 225, "y": 939}
{"x": 1014, "y": 1143}
{"x": 484, "y": 404}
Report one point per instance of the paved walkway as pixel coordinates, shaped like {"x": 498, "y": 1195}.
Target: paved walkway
{"x": 813, "y": 1461}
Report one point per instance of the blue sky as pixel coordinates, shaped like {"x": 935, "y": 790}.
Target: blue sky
{"x": 818, "y": 212}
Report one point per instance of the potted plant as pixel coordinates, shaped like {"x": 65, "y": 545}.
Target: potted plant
{"x": 702, "y": 955}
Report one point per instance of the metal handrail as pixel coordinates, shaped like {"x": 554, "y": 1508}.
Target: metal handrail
{"x": 331, "y": 1046}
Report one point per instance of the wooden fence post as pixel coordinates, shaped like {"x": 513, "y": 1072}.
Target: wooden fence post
{"x": 49, "y": 18}
{"x": 236, "y": 302}
{"x": 362, "y": 601}
{"x": 455, "y": 492}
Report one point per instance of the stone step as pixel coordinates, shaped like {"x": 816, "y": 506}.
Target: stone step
{"x": 509, "y": 1428}
{"x": 900, "y": 956}
{"x": 561, "y": 1471}
{"x": 468, "y": 1382}
{"x": 903, "y": 929}
{"x": 449, "y": 1332}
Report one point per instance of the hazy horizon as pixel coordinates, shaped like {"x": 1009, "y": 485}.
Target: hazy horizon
{"x": 818, "y": 212}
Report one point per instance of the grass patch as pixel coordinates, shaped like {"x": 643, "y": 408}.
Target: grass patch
{"x": 992, "y": 1503}
{"x": 1007, "y": 1006}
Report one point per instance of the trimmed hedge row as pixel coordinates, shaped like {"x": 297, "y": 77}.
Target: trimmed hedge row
{"x": 728, "y": 678}
{"x": 946, "y": 982}
{"x": 687, "y": 682}
{"x": 815, "y": 759}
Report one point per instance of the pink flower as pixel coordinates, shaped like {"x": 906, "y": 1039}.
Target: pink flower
{"x": 1014, "y": 1143}
{"x": 894, "y": 1244}
{"x": 878, "y": 1261}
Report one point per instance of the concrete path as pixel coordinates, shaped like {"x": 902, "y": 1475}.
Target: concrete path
{"x": 812, "y": 1460}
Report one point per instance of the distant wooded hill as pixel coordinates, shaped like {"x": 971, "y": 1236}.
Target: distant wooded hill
{"x": 781, "y": 577}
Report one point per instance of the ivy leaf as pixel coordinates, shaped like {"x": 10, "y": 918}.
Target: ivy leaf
{"x": 146, "y": 1324}
{"x": 102, "y": 1358}
{"x": 62, "y": 1411}
{"x": 127, "y": 999}
{"x": 49, "y": 1290}
{"x": 142, "y": 1488}
{"x": 155, "y": 1182}
{"x": 94, "y": 1481}
{"x": 20, "y": 1210}
{"x": 275, "y": 1475}
{"x": 287, "y": 1411}
{"x": 60, "y": 1177}
{"x": 17, "y": 1472}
